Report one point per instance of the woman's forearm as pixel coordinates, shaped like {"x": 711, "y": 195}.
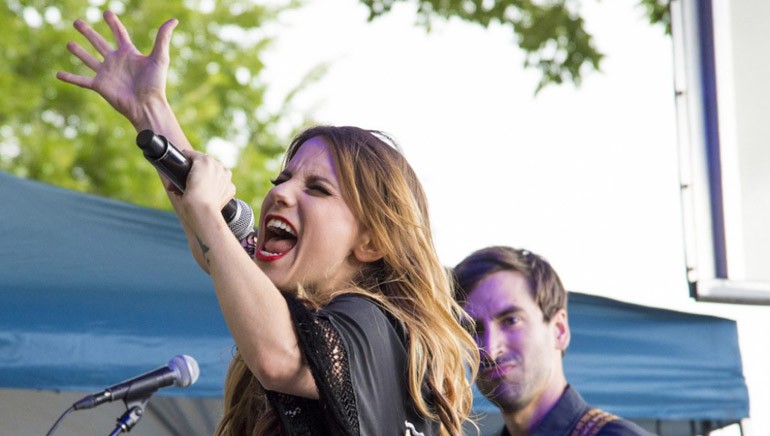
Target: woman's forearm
{"x": 256, "y": 313}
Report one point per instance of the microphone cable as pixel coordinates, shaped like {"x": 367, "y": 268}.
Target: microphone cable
{"x": 58, "y": 421}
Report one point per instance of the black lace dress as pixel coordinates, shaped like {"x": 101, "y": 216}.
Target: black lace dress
{"x": 358, "y": 360}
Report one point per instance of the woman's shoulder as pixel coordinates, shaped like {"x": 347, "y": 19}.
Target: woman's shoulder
{"x": 363, "y": 312}
{"x": 351, "y": 299}
{"x": 354, "y": 306}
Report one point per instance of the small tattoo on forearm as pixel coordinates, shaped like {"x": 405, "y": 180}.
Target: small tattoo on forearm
{"x": 204, "y": 249}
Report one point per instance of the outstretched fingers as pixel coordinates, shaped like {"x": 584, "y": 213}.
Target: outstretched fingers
{"x": 86, "y": 57}
{"x": 96, "y": 40}
{"x": 90, "y": 61}
{"x": 118, "y": 29}
{"x": 81, "y": 81}
{"x": 160, "y": 48}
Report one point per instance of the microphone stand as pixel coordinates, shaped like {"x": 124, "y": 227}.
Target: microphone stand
{"x": 134, "y": 412}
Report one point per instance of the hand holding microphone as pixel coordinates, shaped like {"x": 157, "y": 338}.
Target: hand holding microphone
{"x": 176, "y": 166}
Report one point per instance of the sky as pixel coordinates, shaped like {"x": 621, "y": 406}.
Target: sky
{"x": 586, "y": 176}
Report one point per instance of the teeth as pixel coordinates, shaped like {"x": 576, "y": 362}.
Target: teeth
{"x": 281, "y": 225}
{"x": 267, "y": 253}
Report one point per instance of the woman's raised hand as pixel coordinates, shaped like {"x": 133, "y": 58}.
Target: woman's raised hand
{"x": 130, "y": 81}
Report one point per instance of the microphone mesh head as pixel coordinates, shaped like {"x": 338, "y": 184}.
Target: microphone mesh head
{"x": 186, "y": 368}
{"x": 243, "y": 223}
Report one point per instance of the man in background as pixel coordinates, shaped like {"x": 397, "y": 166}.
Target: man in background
{"x": 520, "y": 310}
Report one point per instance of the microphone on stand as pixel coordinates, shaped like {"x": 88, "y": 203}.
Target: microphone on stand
{"x": 182, "y": 371}
{"x": 175, "y": 166}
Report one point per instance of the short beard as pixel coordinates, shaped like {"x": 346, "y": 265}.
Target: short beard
{"x": 510, "y": 397}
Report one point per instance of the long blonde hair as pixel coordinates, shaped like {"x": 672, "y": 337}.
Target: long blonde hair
{"x": 409, "y": 282}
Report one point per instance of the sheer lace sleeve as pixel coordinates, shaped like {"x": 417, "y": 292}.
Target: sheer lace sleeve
{"x": 326, "y": 354}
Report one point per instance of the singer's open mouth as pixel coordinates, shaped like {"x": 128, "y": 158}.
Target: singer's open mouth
{"x": 280, "y": 238}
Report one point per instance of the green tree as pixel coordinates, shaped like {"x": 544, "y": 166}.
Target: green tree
{"x": 54, "y": 132}
{"x": 552, "y": 33}
{"x": 57, "y": 133}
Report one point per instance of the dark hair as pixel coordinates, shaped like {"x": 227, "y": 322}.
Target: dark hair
{"x": 545, "y": 285}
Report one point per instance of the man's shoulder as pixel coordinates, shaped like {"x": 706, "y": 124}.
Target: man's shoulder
{"x": 594, "y": 421}
{"x": 597, "y": 422}
{"x": 623, "y": 427}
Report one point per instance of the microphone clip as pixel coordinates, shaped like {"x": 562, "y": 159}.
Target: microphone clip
{"x": 132, "y": 415}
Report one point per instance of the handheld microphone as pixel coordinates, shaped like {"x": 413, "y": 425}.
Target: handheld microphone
{"x": 182, "y": 371}
{"x": 175, "y": 166}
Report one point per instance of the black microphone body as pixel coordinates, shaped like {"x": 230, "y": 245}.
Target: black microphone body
{"x": 175, "y": 166}
{"x": 181, "y": 371}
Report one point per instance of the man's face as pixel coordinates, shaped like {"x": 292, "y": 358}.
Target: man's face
{"x": 520, "y": 352}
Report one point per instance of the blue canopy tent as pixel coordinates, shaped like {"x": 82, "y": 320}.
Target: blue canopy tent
{"x": 96, "y": 291}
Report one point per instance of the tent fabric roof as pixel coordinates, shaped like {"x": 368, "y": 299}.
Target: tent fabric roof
{"x": 678, "y": 364}
{"x": 96, "y": 291}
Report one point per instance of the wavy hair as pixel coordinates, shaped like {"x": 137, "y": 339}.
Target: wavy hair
{"x": 544, "y": 283}
{"x": 409, "y": 282}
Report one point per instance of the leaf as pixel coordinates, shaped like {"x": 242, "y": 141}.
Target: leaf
{"x": 551, "y": 34}
{"x": 67, "y": 136}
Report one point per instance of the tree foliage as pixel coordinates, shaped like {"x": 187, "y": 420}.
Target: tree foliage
{"x": 58, "y": 133}
{"x": 551, "y": 33}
